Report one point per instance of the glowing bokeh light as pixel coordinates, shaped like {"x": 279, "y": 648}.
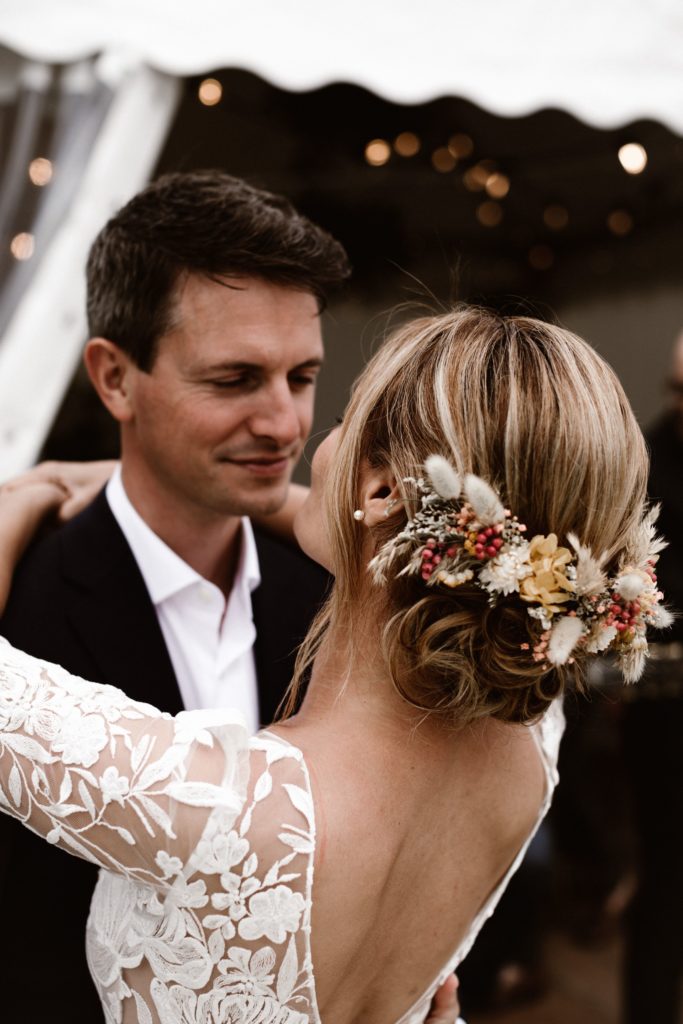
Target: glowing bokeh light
{"x": 497, "y": 185}
{"x": 489, "y": 213}
{"x": 443, "y": 160}
{"x": 40, "y": 171}
{"x": 556, "y": 217}
{"x": 541, "y": 257}
{"x": 474, "y": 179}
{"x": 407, "y": 144}
{"x": 620, "y": 222}
{"x": 460, "y": 145}
{"x": 22, "y": 246}
{"x": 377, "y": 152}
{"x": 210, "y": 92}
{"x": 633, "y": 157}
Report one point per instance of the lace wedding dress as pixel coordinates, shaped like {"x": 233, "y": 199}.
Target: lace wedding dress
{"x": 188, "y": 923}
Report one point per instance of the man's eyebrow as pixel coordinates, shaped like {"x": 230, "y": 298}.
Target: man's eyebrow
{"x": 242, "y": 366}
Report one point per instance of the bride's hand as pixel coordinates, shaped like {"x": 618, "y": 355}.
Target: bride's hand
{"x": 445, "y": 1006}
{"x": 52, "y": 488}
{"x": 80, "y": 482}
{"x": 23, "y": 506}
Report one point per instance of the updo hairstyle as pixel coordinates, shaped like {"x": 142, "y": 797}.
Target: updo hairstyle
{"x": 532, "y": 409}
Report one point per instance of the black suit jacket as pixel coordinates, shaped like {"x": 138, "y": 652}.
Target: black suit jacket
{"x": 79, "y": 600}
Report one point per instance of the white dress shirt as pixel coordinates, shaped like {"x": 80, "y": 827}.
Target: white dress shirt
{"x": 210, "y": 640}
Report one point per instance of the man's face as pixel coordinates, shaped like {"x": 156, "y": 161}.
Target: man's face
{"x": 220, "y": 420}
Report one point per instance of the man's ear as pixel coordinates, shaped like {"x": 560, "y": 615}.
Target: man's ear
{"x": 380, "y": 496}
{"x": 110, "y": 369}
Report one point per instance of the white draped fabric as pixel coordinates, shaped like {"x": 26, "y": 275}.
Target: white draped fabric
{"x": 104, "y": 153}
{"x": 608, "y": 63}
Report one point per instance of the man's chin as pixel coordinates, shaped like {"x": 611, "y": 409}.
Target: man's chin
{"x": 265, "y": 504}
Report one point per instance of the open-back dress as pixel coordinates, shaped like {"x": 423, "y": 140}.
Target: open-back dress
{"x": 205, "y": 839}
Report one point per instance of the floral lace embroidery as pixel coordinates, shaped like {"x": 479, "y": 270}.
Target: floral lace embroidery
{"x": 188, "y": 923}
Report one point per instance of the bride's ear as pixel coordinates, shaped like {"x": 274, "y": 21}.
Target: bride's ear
{"x": 380, "y": 496}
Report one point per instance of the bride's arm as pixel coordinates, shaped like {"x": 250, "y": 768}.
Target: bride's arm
{"x": 82, "y": 481}
{"x": 109, "y": 779}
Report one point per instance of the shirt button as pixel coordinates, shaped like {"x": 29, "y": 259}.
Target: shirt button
{"x": 206, "y": 595}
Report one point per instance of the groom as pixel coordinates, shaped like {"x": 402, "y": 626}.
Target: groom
{"x": 204, "y": 297}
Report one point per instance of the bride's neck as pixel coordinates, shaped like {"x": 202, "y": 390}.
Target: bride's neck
{"x": 351, "y": 691}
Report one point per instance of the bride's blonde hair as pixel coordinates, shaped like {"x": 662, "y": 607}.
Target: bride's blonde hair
{"x": 531, "y": 408}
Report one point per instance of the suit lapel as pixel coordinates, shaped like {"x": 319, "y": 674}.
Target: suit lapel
{"x": 111, "y": 613}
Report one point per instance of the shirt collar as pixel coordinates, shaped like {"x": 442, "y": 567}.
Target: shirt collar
{"x": 165, "y": 573}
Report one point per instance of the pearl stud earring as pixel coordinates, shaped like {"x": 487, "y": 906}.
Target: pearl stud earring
{"x": 359, "y": 515}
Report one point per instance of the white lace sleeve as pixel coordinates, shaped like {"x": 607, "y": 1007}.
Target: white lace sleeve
{"x": 109, "y": 779}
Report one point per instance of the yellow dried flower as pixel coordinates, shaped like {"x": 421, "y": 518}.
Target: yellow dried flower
{"x": 547, "y": 585}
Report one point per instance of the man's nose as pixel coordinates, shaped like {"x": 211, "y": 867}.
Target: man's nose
{"x": 277, "y": 416}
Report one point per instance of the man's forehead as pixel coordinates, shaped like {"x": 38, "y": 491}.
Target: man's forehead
{"x": 256, "y": 323}
{"x": 240, "y": 297}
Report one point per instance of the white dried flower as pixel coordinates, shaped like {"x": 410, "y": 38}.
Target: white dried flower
{"x": 646, "y": 544}
{"x": 385, "y": 557}
{"x": 502, "y": 574}
{"x": 485, "y": 503}
{"x": 631, "y": 585}
{"x": 455, "y": 579}
{"x": 564, "y": 637}
{"x": 662, "y": 617}
{"x": 444, "y": 479}
{"x": 540, "y": 613}
{"x": 632, "y": 661}
{"x": 590, "y": 577}
{"x": 599, "y": 638}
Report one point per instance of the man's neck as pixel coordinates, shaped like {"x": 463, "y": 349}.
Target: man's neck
{"x": 210, "y": 543}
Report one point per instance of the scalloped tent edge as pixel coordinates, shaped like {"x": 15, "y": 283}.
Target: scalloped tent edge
{"x": 608, "y": 63}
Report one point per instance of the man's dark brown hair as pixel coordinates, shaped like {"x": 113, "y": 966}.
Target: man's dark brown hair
{"x": 201, "y": 222}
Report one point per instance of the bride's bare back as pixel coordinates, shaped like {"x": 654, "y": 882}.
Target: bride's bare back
{"x": 413, "y": 835}
{"x": 206, "y": 910}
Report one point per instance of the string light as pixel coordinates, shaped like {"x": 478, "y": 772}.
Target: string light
{"x": 22, "y": 246}
{"x": 620, "y": 222}
{"x": 475, "y": 178}
{"x": 556, "y": 217}
{"x": 407, "y": 144}
{"x": 497, "y": 185}
{"x": 461, "y": 146}
{"x": 40, "y": 171}
{"x": 633, "y": 157}
{"x": 210, "y": 92}
{"x": 377, "y": 152}
{"x": 541, "y": 257}
{"x": 489, "y": 213}
{"x": 443, "y": 160}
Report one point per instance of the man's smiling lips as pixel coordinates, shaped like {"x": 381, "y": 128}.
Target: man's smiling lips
{"x": 263, "y": 465}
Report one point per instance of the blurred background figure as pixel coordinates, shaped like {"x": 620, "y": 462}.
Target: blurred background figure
{"x": 652, "y": 729}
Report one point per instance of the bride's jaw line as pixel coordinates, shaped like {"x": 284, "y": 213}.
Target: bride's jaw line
{"x": 310, "y": 523}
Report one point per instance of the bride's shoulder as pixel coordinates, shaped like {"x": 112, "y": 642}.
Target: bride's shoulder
{"x": 278, "y": 814}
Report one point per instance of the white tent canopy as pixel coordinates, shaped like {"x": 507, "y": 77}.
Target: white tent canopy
{"x": 607, "y": 62}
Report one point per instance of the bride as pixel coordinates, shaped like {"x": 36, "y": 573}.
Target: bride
{"x": 481, "y": 508}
